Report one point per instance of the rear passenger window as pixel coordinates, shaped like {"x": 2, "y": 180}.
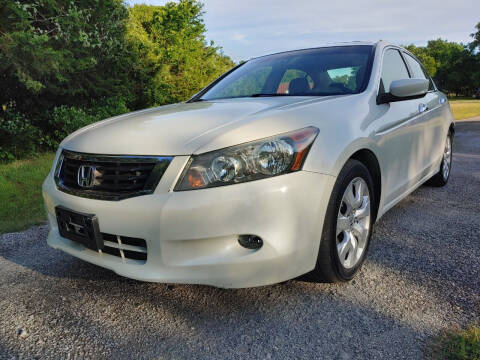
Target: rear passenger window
{"x": 417, "y": 70}
{"x": 393, "y": 68}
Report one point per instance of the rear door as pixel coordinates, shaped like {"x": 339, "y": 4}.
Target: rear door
{"x": 400, "y": 132}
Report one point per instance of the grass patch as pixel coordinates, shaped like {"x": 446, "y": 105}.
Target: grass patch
{"x": 458, "y": 345}
{"x": 21, "y": 203}
{"x": 464, "y": 109}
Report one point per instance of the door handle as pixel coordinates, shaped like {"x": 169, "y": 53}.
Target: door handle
{"x": 422, "y": 108}
{"x": 442, "y": 100}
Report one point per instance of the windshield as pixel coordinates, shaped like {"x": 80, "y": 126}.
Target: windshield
{"x": 313, "y": 72}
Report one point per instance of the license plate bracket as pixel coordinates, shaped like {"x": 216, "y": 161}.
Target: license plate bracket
{"x": 79, "y": 227}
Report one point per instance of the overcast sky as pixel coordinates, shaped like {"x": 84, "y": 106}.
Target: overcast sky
{"x": 249, "y": 28}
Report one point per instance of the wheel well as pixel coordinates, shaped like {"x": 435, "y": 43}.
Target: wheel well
{"x": 451, "y": 130}
{"x": 369, "y": 159}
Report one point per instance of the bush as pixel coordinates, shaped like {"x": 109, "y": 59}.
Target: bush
{"x": 66, "y": 119}
{"x": 19, "y": 136}
{"x": 458, "y": 344}
{"x": 63, "y": 121}
{"x": 108, "y": 108}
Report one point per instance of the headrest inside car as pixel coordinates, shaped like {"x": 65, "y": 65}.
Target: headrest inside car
{"x": 298, "y": 86}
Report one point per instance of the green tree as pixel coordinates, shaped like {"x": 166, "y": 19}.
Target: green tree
{"x": 427, "y": 60}
{"x": 66, "y": 63}
{"x": 475, "y": 49}
{"x": 173, "y": 59}
{"x": 476, "y": 38}
{"x": 456, "y": 64}
{"x": 62, "y": 52}
{"x": 58, "y": 52}
{"x": 454, "y": 67}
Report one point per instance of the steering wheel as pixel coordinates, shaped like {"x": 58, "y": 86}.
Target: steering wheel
{"x": 340, "y": 86}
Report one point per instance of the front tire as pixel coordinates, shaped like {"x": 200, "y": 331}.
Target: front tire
{"x": 348, "y": 225}
{"x": 441, "y": 178}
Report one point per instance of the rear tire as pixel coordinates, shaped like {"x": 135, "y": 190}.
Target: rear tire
{"x": 348, "y": 225}
{"x": 441, "y": 177}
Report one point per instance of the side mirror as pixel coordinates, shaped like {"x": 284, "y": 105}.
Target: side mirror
{"x": 405, "y": 89}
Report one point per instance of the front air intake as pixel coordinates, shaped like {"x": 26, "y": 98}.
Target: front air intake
{"x": 125, "y": 247}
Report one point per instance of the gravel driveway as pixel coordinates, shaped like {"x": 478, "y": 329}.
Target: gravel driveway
{"x": 422, "y": 275}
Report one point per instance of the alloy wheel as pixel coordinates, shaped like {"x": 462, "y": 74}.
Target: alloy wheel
{"x": 353, "y": 223}
{"x": 447, "y": 158}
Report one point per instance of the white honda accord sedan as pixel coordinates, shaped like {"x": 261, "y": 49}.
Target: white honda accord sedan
{"x": 278, "y": 168}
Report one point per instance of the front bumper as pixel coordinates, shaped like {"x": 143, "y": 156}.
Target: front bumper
{"x": 192, "y": 235}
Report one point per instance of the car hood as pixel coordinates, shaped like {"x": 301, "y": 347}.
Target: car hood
{"x": 185, "y": 128}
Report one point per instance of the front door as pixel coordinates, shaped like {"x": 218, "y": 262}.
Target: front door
{"x": 400, "y": 133}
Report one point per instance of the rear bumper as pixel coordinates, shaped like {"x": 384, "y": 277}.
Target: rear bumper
{"x": 192, "y": 236}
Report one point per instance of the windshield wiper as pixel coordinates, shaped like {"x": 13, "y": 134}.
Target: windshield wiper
{"x": 263, "y": 95}
{"x": 195, "y": 100}
{"x": 300, "y": 94}
{"x": 267, "y": 94}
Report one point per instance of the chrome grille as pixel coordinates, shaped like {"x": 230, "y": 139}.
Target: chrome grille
{"x": 111, "y": 177}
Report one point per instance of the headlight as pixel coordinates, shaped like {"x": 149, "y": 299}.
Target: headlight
{"x": 255, "y": 160}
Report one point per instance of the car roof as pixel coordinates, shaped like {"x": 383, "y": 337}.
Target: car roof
{"x": 381, "y": 43}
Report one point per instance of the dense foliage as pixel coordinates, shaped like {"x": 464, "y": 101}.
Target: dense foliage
{"x": 454, "y": 67}
{"x": 67, "y": 63}
{"x": 173, "y": 61}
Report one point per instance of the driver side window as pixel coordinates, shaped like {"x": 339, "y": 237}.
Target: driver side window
{"x": 393, "y": 68}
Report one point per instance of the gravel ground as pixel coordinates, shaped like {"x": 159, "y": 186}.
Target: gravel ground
{"x": 422, "y": 276}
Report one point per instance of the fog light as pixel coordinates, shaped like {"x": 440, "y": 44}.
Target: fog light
{"x": 250, "y": 241}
